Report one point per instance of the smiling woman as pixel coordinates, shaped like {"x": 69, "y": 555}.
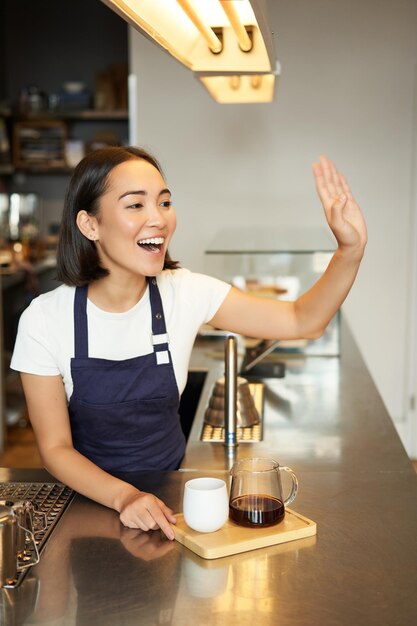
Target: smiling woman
{"x": 104, "y": 358}
{"x": 131, "y": 231}
{"x": 78, "y": 257}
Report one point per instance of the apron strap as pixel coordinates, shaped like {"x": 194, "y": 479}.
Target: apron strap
{"x": 159, "y": 331}
{"x": 80, "y": 323}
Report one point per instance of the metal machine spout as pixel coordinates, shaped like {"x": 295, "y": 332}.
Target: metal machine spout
{"x": 230, "y": 384}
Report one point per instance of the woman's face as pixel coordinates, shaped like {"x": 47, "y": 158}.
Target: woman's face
{"x": 136, "y": 220}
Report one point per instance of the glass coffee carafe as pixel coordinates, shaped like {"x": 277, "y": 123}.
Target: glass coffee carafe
{"x": 256, "y": 496}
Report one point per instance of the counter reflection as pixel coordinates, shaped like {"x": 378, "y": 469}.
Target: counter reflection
{"x": 131, "y": 578}
{"x": 250, "y": 586}
{"x": 120, "y": 580}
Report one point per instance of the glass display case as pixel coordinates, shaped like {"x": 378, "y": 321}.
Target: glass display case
{"x": 277, "y": 263}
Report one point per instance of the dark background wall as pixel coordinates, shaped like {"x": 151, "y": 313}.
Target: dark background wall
{"x": 46, "y": 43}
{"x": 49, "y": 42}
{"x": 2, "y": 52}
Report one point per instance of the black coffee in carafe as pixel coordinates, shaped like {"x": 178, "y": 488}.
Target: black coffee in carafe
{"x": 256, "y": 510}
{"x": 256, "y": 496}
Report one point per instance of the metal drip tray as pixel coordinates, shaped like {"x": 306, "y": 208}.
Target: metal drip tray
{"x": 246, "y": 434}
{"x": 51, "y": 499}
{"x": 249, "y": 434}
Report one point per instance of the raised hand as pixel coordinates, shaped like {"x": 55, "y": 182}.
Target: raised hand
{"x": 343, "y": 214}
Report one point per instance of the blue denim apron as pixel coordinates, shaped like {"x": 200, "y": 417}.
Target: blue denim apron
{"x": 124, "y": 414}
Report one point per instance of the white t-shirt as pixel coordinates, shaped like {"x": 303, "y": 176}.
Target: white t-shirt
{"x": 45, "y": 338}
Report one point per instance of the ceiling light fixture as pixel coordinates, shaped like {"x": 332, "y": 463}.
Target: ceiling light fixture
{"x": 241, "y": 88}
{"x": 212, "y": 36}
{"x": 212, "y": 40}
{"x": 245, "y": 41}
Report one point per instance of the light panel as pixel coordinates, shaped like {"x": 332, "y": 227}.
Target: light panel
{"x": 174, "y": 25}
{"x": 241, "y": 88}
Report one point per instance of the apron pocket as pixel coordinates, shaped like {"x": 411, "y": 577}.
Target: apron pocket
{"x": 122, "y": 422}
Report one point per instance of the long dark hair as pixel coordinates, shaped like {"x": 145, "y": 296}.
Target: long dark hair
{"x": 78, "y": 262}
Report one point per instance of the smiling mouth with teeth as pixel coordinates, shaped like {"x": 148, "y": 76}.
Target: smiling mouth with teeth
{"x": 153, "y": 244}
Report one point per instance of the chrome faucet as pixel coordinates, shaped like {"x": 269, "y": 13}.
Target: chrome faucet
{"x": 230, "y": 389}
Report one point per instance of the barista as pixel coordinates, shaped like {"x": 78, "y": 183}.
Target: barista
{"x": 104, "y": 357}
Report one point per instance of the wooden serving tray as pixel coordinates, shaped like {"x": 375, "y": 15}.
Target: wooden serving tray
{"x": 232, "y": 539}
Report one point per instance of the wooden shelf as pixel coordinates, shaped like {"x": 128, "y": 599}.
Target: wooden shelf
{"x": 86, "y": 114}
{"x": 49, "y": 129}
{"x": 44, "y": 169}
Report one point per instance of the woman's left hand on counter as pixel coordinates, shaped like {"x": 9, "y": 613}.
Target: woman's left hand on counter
{"x": 343, "y": 214}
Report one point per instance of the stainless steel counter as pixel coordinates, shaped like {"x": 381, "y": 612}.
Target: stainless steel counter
{"x": 328, "y": 423}
{"x": 325, "y": 414}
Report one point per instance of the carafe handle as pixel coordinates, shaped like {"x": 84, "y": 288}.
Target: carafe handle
{"x": 294, "y": 485}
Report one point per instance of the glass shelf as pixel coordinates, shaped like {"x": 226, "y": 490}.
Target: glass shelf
{"x": 277, "y": 263}
{"x": 271, "y": 241}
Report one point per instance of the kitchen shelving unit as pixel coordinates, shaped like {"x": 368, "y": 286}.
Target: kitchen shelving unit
{"x": 38, "y": 138}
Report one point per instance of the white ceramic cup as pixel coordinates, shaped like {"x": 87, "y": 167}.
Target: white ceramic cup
{"x": 205, "y": 504}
